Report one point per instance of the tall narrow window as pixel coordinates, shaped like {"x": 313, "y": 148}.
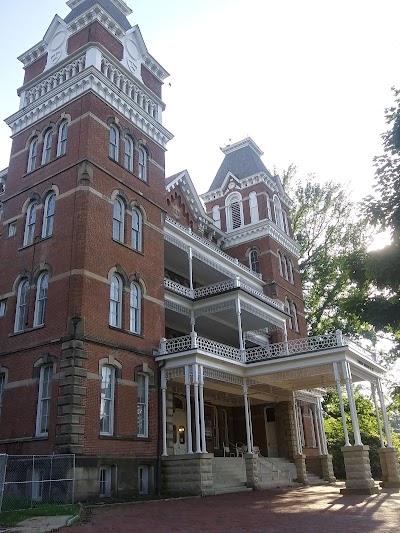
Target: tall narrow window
{"x": 115, "y": 302}
{"x": 107, "y": 400}
{"x": 254, "y": 261}
{"x": 135, "y": 308}
{"x": 2, "y": 383}
{"x": 113, "y": 143}
{"x": 269, "y": 207}
{"x": 118, "y": 220}
{"x": 285, "y": 222}
{"x": 285, "y": 268}
{"x": 22, "y": 304}
{"x": 143, "y": 405}
{"x": 48, "y": 216}
{"x": 253, "y": 204}
{"x": 288, "y": 311}
{"x": 30, "y": 222}
{"x": 280, "y": 262}
{"x": 47, "y": 142}
{"x": 216, "y": 214}
{"x": 290, "y": 265}
{"x": 62, "y": 138}
{"x": 41, "y": 297}
{"x": 142, "y": 164}
{"x": 128, "y": 153}
{"x": 43, "y": 408}
{"x": 105, "y": 481}
{"x": 278, "y": 212}
{"x": 295, "y": 317}
{"x": 137, "y": 230}
{"x": 32, "y": 155}
{"x": 235, "y": 213}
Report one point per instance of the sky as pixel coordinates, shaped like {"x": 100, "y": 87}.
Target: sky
{"x": 307, "y": 80}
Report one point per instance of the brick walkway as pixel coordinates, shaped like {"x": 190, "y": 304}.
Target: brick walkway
{"x": 309, "y": 510}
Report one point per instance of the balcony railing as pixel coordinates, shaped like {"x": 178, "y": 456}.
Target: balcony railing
{"x": 219, "y": 288}
{"x": 259, "y": 353}
{"x": 213, "y": 247}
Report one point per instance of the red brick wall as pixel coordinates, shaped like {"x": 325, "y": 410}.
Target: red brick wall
{"x": 35, "y": 68}
{"x": 95, "y": 33}
{"x": 153, "y": 83}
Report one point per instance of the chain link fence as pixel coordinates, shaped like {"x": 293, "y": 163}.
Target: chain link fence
{"x": 28, "y": 481}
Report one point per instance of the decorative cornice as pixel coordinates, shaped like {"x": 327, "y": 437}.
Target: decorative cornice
{"x": 102, "y": 16}
{"x": 89, "y": 79}
{"x": 265, "y": 228}
{"x": 242, "y": 144}
{"x": 120, "y": 4}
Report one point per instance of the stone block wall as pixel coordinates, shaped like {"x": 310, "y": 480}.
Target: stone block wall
{"x": 187, "y": 475}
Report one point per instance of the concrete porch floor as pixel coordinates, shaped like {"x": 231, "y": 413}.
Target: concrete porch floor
{"x": 305, "y": 510}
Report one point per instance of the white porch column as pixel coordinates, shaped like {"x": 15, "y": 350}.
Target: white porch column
{"x": 240, "y": 331}
{"x": 196, "y": 406}
{"x": 202, "y": 420}
{"x": 339, "y": 391}
{"x": 384, "y": 414}
{"x": 317, "y": 428}
{"x": 251, "y": 424}
{"x": 192, "y": 321}
{"x": 188, "y": 411}
{"x": 378, "y": 417}
{"x": 190, "y": 257}
{"x": 352, "y": 403}
{"x": 164, "y": 411}
{"x": 321, "y": 426}
{"x": 247, "y": 417}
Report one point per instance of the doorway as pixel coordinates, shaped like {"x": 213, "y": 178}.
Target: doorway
{"x": 270, "y": 431}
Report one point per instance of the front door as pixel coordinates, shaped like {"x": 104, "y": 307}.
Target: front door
{"x": 270, "y": 430}
{"x": 179, "y": 426}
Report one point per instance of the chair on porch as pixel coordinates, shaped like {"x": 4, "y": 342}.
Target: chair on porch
{"x": 241, "y": 449}
{"x": 227, "y": 451}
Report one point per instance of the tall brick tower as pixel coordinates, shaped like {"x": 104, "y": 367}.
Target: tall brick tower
{"x": 81, "y": 246}
{"x": 249, "y": 203}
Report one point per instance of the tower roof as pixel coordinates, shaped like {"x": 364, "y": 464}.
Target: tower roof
{"x": 242, "y": 159}
{"x": 117, "y": 9}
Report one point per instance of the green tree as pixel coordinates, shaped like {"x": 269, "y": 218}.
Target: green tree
{"x": 330, "y": 231}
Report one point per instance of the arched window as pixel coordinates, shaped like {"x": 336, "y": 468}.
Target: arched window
{"x": 278, "y": 212}
{"x": 142, "y": 164}
{"x": 288, "y": 311}
{"x": 48, "y": 215}
{"x": 291, "y": 276}
{"x": 137, "y": 230}
{"x": 47, "y": 142}
{"x": 62, "y": 138}
{"x": 113, "y": 143}
{"x": 118, "y": 220}
{"x": 128, "y": 153}
{"x": 295, "y": 317}
{"x": 285, "y": 222}
{"x": 41, "y": 297}
{"x": 253, "y": 203}
{"x": 285, "y": 268}
{"x": 32, "y": 155}
{"x": 21, "y": 307}
{"x": 107, "y": 400}
{"x": 30, "y": 221}
{"x": 135, "y": 308}
{"x": 216, "y": 214}
{"x": 143, "y": 404}
{"x": 44, "y": 399}
{"x": 269, "y": 207}
{"x": 115, "y": 302}
{"x": 280, "y": 263}
{"x": 235, "y": 212}
{"x": 254, "y": 261}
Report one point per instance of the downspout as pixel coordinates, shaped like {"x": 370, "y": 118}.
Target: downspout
{"x": 159, "y": 433}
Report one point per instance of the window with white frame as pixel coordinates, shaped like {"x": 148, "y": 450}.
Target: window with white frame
{"x": 143, "y": 404}
{"x": 278, "y": 212}
{"x": 137, "y": 228}
{"x": 285, "y": 222}
{"x": 290, "y": 265}
{"x": 47, "y": 142}
{"x": 235, "y": 212}
{"x": 288, "y": 311}
{"x": 142, "y": 164}
{"x": 2, "y": 383}
{"x": 41, "y": 297}
{"x": 135, "y": 308}
{"x": 12, "y": 229}
{"x": 105, "y": 480}
{"x": 254, "y": 260}
{"x": 48, "y": 215}
{"x": 128, "y": 153}
{"x": 115, "y": 302}
{"x": 113, "y": 143}
{"x": 107, "y": 400}
{"x": 32, "y": 155}
{"x": 118, "y": 220}
{"x": 21, "y": 307}
{"x": 285, "y": 268}
{"x": 269, "y": 207}
{"x": 253, "y": 204}
{"x": 62, "y": 138}
{"x": 30, "y": 221}
{"x": 3, "y": 308}
{"x": 44, "y": 399}
{"x": 280, "y": 263}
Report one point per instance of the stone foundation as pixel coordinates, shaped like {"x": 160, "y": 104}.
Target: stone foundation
{"x": 187, "y": 475}
{"x": 253, "y": 471}
{"x": 300, "y": 462}
{"x": 390, "y": 468}
{"x": 358, "y": 471}
{"x": 327, "y": 468}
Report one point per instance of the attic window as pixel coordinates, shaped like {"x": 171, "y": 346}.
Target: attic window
{"x": 236, "y": 216}
{"x": 235, "y": 213}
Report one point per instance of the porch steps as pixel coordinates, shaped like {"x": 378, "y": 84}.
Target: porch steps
{"x": 229, "y": 475}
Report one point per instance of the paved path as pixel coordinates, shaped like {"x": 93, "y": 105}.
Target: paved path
{"x": 305, "y": 510}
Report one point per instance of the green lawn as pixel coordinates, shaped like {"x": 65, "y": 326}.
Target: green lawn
{"x": 12, "y": 518}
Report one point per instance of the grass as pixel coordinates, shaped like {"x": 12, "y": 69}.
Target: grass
{"x": 12, "y": 518}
